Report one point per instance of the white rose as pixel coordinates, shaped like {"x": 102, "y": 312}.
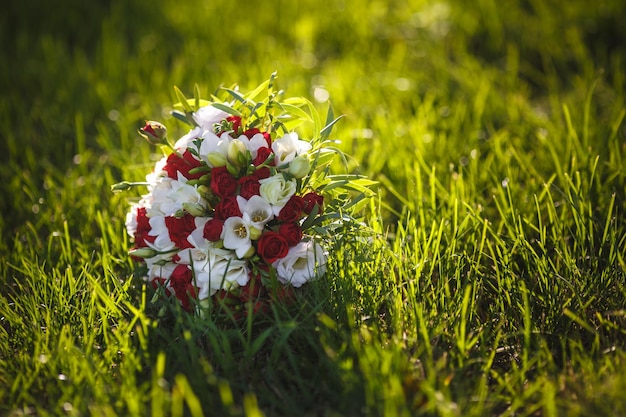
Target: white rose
{"x": 303, "y": 262}
{"x": 277, "y": 191}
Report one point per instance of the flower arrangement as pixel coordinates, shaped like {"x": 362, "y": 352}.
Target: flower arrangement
{"x": 239, "y": 210}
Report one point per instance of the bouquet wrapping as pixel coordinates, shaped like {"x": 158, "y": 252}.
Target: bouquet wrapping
{"x": 240, "y": 208}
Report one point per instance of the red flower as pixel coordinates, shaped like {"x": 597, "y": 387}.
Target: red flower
{"x": 291, "y": 232}
{"x": 176, "y": 164}
{"x": 160, "y": 283}
{"x": 227, "y": 207}
{"x": 213, "y": 229}
{"x": 253, "y": 290}
{"x": 292, "y": 211}
{"x": 143, "y": 228}
{"x": 179, "y": 228}
{"x": 181, "y": 282}
{"x": 261, "y": 156}
{"x": 272, "y": 246}
{"x": 249, "y": 186}
{"x": 222, "y": 182}
{"x": 310, "y": 200}
{"x": 236, "y": 124}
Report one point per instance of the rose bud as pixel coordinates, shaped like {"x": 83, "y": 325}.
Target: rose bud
{"x": 154, "y": 132}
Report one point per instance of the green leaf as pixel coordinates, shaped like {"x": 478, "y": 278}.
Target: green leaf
{"x": 182, "y": 100}
{"x": 325, "y": 132}
{"x": 226, "y": 108}
{"x": 177, "y": 114}
{"x": 196, "y": 93}
{"x": 236, "y": 95}
{"x": 261, "y": 88}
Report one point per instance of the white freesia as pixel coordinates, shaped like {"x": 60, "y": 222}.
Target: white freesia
{"x": 169, "y": 195}
{"x": 255, "y": 143}
{"x": 159, "y": 230}
{"x": 206, "y": 117}
{"x": 299, "y": 166}
{"x": 157, "y": 174}
{"x": 256, "y": 211}
{"x": 277, "y": 191}
{"x": 288, "y": 147}
{"x": 160, "y": 270}
{"x": 221, "y": 271}
{"x": 305, "y": 261}
{"x": 236, "y": 236}
{"x": 213, "y": 149}
{"x": 186, "y": 141}
{"x": 131, "y": 220}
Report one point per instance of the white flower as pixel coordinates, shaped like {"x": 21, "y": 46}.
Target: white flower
{"x": 255, "y": 143}
{"x": 159, "y": 230}
{"x": 221, "y": 271}
{"x": 161, "y": 270}
{"x": 256, "y": 211}
{"x": 208, "y": 116}
{"x": 236, "y": 236}
{"x": 131, "y": 220}
{"x": 214, "y": 149}
{"x": 299, "y": 166}
{"x": 303, "y": 262}
{"x": 277, "y": 191}
{"x": 157, "y": 174}
{"x": 288, "y": 147}
{"x": 169, "y": 195}
{"x": 185, "y": 141}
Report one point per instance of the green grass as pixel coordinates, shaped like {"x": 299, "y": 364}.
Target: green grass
{"x": 491, "y": 281}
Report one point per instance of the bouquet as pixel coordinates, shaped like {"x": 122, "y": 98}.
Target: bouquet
{"x": 240, "y": 210}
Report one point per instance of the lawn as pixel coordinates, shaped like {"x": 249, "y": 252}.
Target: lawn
{"x": 490, "y": 275}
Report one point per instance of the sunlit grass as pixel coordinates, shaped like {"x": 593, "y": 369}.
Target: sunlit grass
{"x": 491, "y": 278}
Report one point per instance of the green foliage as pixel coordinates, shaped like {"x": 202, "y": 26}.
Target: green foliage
{"x": 490, "y": 278}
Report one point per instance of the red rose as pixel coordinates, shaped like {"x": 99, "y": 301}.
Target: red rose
{"x": 310, "y": 200}
{"x": 272, "y": 246}
{"x": 176, "y": 164}
{"x": 222, "y": 182}
{"x": 262, "y": 173}
{"x": 291, "y": 232}
{"x": 179, "y": 228}
{"x": 227, "y": 207}
{"x": 181, "y": 282}
{"x": 213, "y": 230}
{"x": 292, "y": 211}
{"x": 261, "y": 156}
{"x": 249, "y": 186}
